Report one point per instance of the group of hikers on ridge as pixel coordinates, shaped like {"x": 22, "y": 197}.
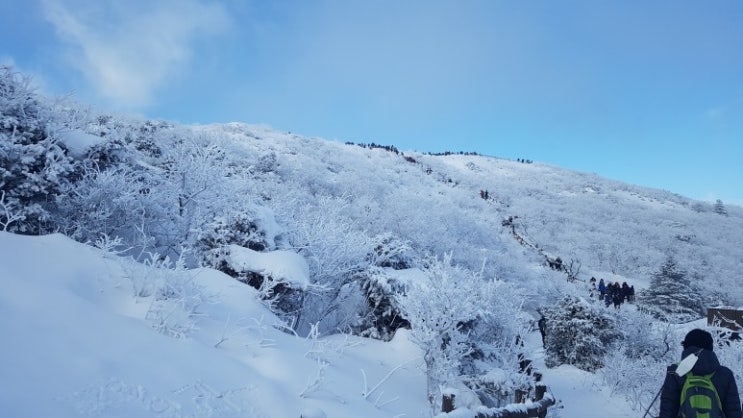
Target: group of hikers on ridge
{"x": 612, "y": 293}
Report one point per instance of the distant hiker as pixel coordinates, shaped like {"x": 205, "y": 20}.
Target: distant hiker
{"x": 602, "y": 289}
{"x": 592, "y": 291}
{"x": 542, "y": 323}
{"x": 616, "y": 295}
{"x": 631, "y": 297}
{"x": 699, "y": 342}
{"x": 625, "y": 292}
{"x": 555, "y": 264}
{"x": 609, "y": 294}
{"x": 616, "y": 298}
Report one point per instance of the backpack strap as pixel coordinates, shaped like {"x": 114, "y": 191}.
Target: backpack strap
{"x": 672, "y": 369}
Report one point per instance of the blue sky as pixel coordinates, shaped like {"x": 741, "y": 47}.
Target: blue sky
{"x": 646, "y": 92}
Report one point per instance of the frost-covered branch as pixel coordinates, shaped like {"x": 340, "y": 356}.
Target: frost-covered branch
{"x": 10, "y": 214}
{"x": 366, "y": 392}
{"x": 315, "y": 383}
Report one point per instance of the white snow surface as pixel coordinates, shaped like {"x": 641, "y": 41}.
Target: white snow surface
{"x": 281, "y": 265}
{"x": 78, "y": 142}
{"x": 78, "y": 343}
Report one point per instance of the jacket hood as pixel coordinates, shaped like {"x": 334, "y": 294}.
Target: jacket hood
{"x": 707, "y": 362}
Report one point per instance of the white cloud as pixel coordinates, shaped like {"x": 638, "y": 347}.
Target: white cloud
{"x": 127, "y": 52}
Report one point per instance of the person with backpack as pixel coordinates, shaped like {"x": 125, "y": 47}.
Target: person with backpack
{"x": 602, "y": 289}
{"x": 708, "y": 390}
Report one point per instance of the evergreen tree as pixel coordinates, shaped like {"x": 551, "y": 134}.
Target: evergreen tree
{"x": 671, "y": 296}
{"x": 578, "y": 333}
{"x": 33, "y": 165}
{"x": 383, "y": 315}
{"x": 720, "y": 208}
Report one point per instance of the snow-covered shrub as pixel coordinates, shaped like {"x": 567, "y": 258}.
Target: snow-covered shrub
{"x": 334, "y": 245}
{"x": 729, "y": 349}
{"x": 110, "y": 153}
{"x": 578, "y": 333}
{"x": 336, "y": 250}
{"x": 438, "y": 307}
{"x": 383, "y": 315}
{"x": 119, "y": 189}
{"x": 196, "y": 182}
{"x": 465, "y": 328}
{"x": 156, "y": 186}
{"x": 33, "y": 165}
{"x": 281, "y": 276}
{"x": 174, "y": 297}
{"x": 381, "y": 286}
{"x": 635, "y": 366}
{"x": 177, "y": 298}
{"x": 115, "y": 202}
{"x": 127, "y": 139}
{"x": 266, "y": 163}
{"x": 641, "y": 336}
{"x": 391, "y": 251}
{"x": 671, "y": 296}
{"x": 493, "y": 369}
{"x": 250, "y": 228}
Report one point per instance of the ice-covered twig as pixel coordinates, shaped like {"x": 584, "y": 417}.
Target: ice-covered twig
{"x": 366, "y": 393}
{"x": 314, "y": 384}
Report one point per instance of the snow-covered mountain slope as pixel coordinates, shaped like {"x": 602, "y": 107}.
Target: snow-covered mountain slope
{"x": 603, "y": 226}
{"x": 78, "y": 342}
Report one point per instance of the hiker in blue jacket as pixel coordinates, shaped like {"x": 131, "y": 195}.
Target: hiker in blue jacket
{"x": 700, "y": 342}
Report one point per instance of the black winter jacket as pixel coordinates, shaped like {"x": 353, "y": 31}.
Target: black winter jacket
{"x": 723, "y": 379}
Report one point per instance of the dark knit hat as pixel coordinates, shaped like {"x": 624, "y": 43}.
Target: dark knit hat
{"x": 698, "y": 338}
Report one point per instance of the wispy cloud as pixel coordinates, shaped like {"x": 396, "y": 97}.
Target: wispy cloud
{"x": 127, "y": 52}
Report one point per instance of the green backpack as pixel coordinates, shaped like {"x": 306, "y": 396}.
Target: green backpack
{"x": 699, "y": 398}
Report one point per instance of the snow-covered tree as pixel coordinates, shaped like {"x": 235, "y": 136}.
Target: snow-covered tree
{"x": 719, "y": 208}
{"x": 383, "y": 315}
{"x": 33, "y": 165}
{"x": 671, "y": 297}
{"x": 381, "y": 287}
{"x": 253, "y": 227}
{"x": 578, "y": 333}
{"x": 438, "y": 308}
{"x": 336, "y": 250}
{"x": 117, "y": 189}
{"x": 466, "y": 329}
{"x": 115, "y": 202}
{"x": 197, "y": 182}
{"x": 391, "y": 251}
